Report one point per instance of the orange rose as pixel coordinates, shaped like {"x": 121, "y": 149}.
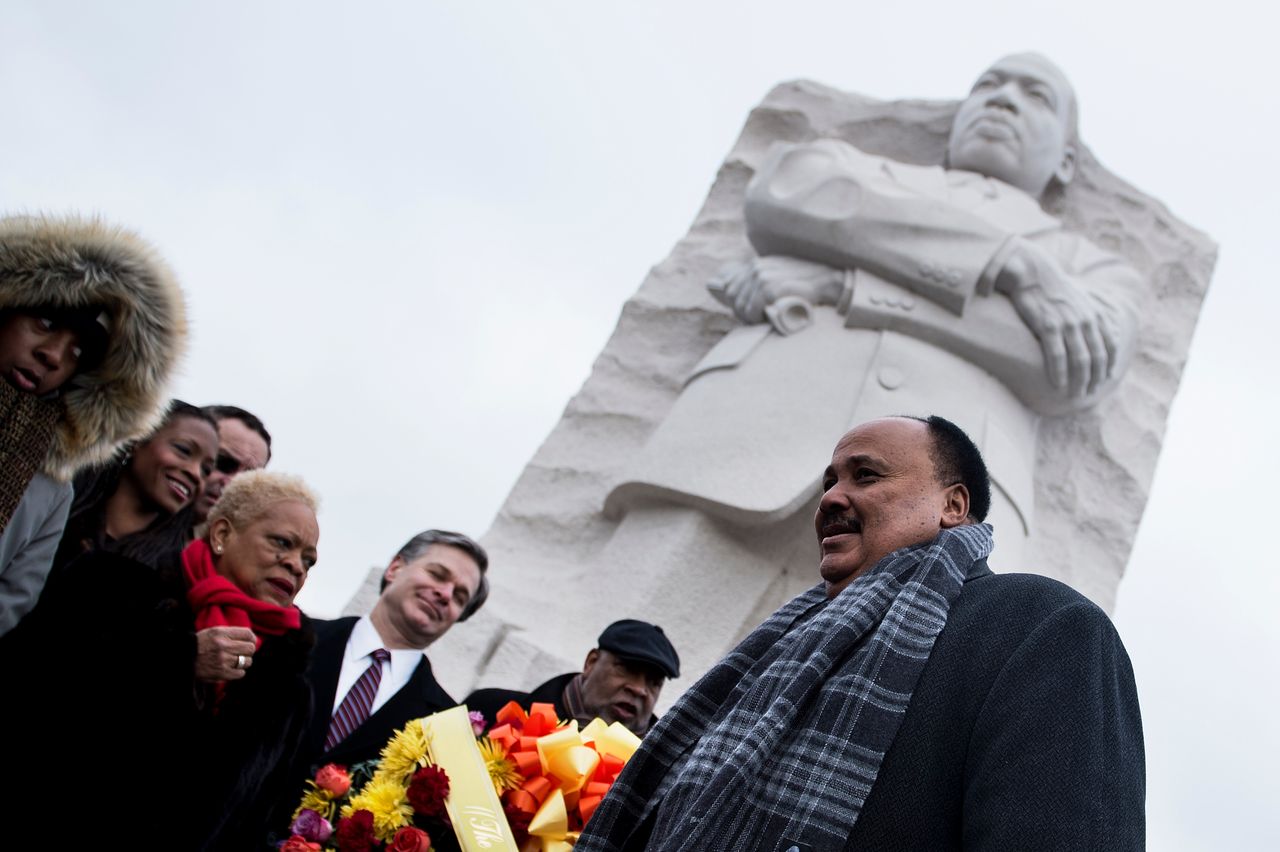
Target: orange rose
{"x": 297, "y": 843}
{"x": 333, "y": 779}
{"x": 410, "y": 839}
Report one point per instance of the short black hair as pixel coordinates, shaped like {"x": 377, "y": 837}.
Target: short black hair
{"x": 417, "y": 545}
{"x": 233, "y": 412}
{"x": 956, "y": 458}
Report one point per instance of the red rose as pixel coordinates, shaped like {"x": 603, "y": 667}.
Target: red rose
{"x": 355, "y": 833}
{"x": 298, "y": 843}
{"x": 427, "y": 791}
{"x": 410, "y": 839}
{"x": 333, "y": 779}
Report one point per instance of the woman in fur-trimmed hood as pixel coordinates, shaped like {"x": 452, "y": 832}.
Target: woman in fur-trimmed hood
{"x": 107, "y": 284}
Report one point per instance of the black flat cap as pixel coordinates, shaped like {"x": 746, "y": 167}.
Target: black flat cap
{"x": 642, "y": 641}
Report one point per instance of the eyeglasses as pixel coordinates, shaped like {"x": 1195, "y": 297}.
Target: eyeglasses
{"x": 229, "y": 465}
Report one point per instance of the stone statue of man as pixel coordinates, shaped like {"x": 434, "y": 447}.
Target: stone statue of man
{"x": 902, "y": 257}
{"x": 884, "y": 288}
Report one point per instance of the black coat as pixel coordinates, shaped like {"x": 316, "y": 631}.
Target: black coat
{"x": 174, "y": 766}
{"x": 490, "y": 701}
{"x": 1022, "y": 733}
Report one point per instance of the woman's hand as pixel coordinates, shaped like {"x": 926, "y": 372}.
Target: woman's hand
{"x": 223, "y": 653}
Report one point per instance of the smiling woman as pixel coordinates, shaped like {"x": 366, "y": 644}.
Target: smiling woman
{"x": 195, "y": 672}
{"x": 141, "y": 504}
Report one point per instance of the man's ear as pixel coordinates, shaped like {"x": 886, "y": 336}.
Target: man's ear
{"x": 1066, "y": 169}
{"x": 955, "y": 506}
{"x": 219, "y": 534}
{"x": 393, "y": 568}
{"x": 589, "y": 664}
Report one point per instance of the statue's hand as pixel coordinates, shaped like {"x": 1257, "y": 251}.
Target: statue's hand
{"x": 1078, "y": 336}
{"x": 749, "y": 288}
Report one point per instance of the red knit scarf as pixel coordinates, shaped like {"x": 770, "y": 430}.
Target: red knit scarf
{"x": 218, "y": 602}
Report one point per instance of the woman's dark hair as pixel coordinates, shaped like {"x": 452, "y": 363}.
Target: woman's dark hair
{"x": 160, "y": 544}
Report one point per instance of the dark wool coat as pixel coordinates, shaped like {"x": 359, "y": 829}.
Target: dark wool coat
{"x": 1023, "y": 733}
{"x": 131, "y": 747}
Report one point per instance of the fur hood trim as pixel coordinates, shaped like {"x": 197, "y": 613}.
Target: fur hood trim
{"x": 71, "y": 261}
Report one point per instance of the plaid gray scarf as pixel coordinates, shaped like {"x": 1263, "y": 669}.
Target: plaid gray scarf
{"x": 783, "y": 738}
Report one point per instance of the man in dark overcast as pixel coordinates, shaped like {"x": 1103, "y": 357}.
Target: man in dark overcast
{"x": 913, "y": 700}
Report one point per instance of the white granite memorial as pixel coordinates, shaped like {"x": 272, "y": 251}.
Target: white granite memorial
{"x": 854, "y": 258}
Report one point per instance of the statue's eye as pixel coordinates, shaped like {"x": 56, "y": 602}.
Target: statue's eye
{"x": 1041, "y": 94}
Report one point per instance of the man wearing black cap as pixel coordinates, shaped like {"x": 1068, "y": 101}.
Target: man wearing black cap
{"x": 619, "y": 682}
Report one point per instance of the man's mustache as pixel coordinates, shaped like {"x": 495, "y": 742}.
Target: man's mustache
{"x": 840, "y": 525}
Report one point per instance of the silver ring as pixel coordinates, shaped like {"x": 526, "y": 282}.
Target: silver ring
{"x": 239, "y": 661}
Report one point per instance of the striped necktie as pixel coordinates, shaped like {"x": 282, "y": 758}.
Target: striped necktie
{"x": 355, "y": 707}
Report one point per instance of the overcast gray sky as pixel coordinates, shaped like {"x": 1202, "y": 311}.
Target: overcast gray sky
{"x": 406, "y": 229}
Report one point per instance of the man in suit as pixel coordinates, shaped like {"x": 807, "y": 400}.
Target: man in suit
{"x": 913, "y": 700}
{"x": 620, "y": 680}
{"x": 369, "y": 675}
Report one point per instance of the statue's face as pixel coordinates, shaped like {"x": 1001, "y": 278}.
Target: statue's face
{"x": 1015, "y": 125}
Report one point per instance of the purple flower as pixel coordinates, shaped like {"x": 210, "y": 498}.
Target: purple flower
{"x": 477, "y": 722}
{"x": 312, "y": 826}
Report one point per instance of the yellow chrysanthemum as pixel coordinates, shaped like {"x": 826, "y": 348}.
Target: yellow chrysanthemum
{"x": 317, "y": 799}
{"x": 387, "y": 801}
{"x": 502, "y": 771}
{"x": 404, "y": 755}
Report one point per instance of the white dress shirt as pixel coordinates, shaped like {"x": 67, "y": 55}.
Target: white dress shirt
{"x": 357, "y": 657}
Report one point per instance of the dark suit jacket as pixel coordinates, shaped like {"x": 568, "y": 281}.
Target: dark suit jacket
{"x": 421, "y": 696}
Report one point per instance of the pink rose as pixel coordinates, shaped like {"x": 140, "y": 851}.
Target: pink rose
{"x": 298, "y": 843}
{"x": 333, "y": 779}
{"x": 309, "y": 825}
{"x": 410, "y": 839}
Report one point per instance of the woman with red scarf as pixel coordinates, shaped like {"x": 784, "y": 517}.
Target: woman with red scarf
{"x": 179, "y": 691}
